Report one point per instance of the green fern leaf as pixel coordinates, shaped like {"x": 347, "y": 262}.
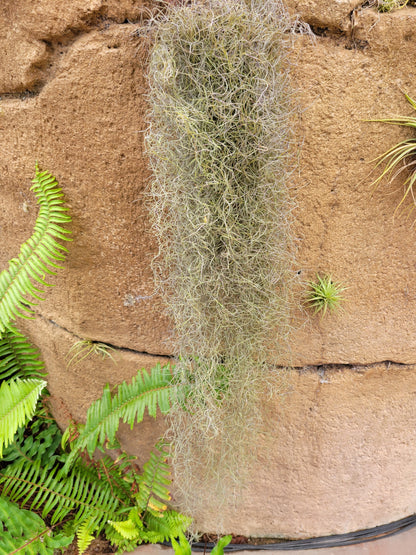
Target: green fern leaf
{"x": 85, "y": 535}
{"x": 183, "y": 547}
{"x": 168, "y": 525}
{"x": 151, "y": 391}
{"x": 40, "y": 440}
{"x": 127, "y": 532}
{"x": 25, "y": 532}
{"x": 18, "y": 357}
{"x": 123, "y": 544}
{"x": 26, "y": 274}
{"x": 118, "y": 476}
{"x": 56, "y": 494}
{"x": 18, "y": 399}
{"x": 153, "y": 528}
{"x": 128, "y": 529}
{"x": 154, "y": 483}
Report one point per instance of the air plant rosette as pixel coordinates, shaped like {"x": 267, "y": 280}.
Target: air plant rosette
{"x": 324, "y": 295}
{"x": 400, "y": 159}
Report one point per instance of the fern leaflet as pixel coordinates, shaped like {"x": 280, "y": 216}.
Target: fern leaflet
{"x": 154, "y": 482}
{"x": 18, "y": 357}
{"x": 153, "y": 529}
{"x": 150, "y": 521}
{"x": 183, "y": 547}
{"x": 40, "y": 440}
{"x": 128, "y": 404}
{"x": 25, "y": 275}
{"x": 57, "y": 494}
{"x": 168, "y": 525}
{"x": 18, "y": 400}
{"x": 129, "y": 529}
{"x": 85, "y": 535}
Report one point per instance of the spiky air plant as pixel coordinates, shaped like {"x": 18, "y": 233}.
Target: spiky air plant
{"x": 324, "y": 295}
{"x": 400, "y": 159}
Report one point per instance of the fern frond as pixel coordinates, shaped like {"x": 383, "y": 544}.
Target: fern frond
{"x": 109, "y": 474}
{"x": 85, "y": 535}
{"x": 18, "y": 400}
{"x": 38, "y": 441}
{"x": 183, "y": 547}
{"x": 18, "y": 357}
{"x": 151, "y": 391}
{"x": 152, "y": 528}
{"x": 154, "y": 482}
{"x": 168, "y": 525}
{"x": 25, "y": 532}
{"x": 56, "y": 494}
{"x": 26, "y": 274}
{"x": 129, "y": 529}
{"x": 116, "y": 539}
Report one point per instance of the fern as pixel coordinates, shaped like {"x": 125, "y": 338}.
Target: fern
{"x": 184, "y": 547}
{"x": 150, "y": 521}
{"x": 107, "y": 473}
{"x": 39, "y": 441}
{"x": 154, "y": 482}
{"x": 25, "y": 532}
{"x": 93, "y": 503}
{"x": 25, "y": 276}
{"x": 56, "y": 494}
{"x": 128, "y": 404}
{"x": 18, "y": 357}
{"x": 91, "y": 494}
{"x": 151, "y": 529}
{"x": 129, "y": 529}
{"x": 169, "y": 525}
{"x": 122, "y": 543}
{"x": 85, "y": 535}
{"x": 18, "y": 400}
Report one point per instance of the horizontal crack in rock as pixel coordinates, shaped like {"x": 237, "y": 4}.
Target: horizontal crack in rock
{"x": 316, "y": 368}
{"x": 350, "y": 366}
{"x": 109, "y": 345}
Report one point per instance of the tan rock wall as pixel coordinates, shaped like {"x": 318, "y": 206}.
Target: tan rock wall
{"x": 341, "y": 227}
{"x": 339, "y": 454}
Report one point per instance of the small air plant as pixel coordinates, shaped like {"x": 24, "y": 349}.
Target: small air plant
{"x": 84, "y": 348}
{"x": 400, "y": 158}
{"x": 324, "y": 295}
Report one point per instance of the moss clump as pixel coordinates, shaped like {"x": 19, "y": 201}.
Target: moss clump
{"x": 219, "y": 142}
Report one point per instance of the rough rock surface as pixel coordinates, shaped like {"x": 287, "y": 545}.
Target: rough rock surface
{"x": 339, "y": 455}
{"x": 33, "y": 33}
{"x": 342, "y": 228}
{"x": 86, "y": 127}
{"x": 74, "y": 383}
{"x": 325, "y": 14}
{"x": 326, "y": 456}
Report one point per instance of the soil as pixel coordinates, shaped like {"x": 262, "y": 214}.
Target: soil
{"x": 97, "y": 547}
